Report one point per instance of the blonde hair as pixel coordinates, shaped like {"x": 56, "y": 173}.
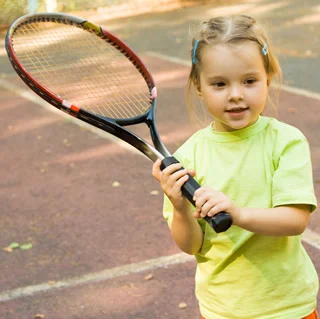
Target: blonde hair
{"x": 230, "y": 30}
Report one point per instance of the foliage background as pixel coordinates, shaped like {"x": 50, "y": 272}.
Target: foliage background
{"x": 12, "y": 9}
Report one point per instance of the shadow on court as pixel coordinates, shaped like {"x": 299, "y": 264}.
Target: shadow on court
{"x": 92, "y": 211}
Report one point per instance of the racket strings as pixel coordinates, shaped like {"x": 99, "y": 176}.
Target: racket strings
{"x": 82, "y": 68}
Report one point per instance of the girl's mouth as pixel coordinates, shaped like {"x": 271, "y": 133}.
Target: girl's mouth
{"x": 237, "y": 113}
{"x": 237, "y": 110}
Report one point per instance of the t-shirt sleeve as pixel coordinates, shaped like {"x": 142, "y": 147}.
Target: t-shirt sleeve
{"x": 292, "y": 180}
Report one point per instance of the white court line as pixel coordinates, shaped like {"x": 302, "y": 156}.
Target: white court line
{"x": 107, "y": 274}
{"x": 310, "y": 237}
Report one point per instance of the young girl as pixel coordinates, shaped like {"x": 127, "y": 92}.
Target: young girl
{"x": 255, "y": 168}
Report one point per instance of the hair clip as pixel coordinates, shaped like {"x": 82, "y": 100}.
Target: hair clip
{"x": 194, "y": 60}
{"x": 265, "y": 49}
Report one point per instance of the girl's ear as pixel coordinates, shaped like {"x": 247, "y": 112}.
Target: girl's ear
{"x": 199, "y": 94}
{"x": 269, "y": 80}
{"x": 198, "y": 90}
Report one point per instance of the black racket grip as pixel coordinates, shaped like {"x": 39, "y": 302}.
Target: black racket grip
{"x": 221, "y": 221}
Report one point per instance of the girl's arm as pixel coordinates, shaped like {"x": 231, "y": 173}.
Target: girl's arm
{"x": 289, "y": 220}
{"x": 185, "y": 229}
{"x": 186, "y": 232}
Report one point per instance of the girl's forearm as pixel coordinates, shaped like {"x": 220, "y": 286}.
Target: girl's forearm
{"x": 278, "y": 221}
{"x": 186, "y": 232}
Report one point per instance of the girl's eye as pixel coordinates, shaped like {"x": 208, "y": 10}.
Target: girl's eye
{"x": 250, "y": 81}
{"x": 219, "y": 84}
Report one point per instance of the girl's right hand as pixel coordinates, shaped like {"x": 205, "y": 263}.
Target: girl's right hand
{"x": 171, "y": 180}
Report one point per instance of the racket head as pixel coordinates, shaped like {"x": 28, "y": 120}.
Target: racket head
{"x": 81, "y": 68}
{"x": 60, "y": 66}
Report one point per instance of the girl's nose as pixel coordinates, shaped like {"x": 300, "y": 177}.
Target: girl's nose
{"x": 235, "y": 93}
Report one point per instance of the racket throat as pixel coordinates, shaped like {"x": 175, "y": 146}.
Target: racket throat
{"x": 156, "y": 138}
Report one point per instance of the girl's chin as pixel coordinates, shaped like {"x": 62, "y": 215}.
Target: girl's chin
{"x": 230, "y": 126}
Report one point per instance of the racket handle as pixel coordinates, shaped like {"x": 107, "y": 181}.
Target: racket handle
{"x": 219, "y": 222}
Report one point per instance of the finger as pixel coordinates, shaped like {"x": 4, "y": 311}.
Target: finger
{"x": 175, "y": 180}
{"x": 202, "y": 200}
{"x": 175, "y": 176}
{"x": 198, "y": 192}
{"x": 172, "y": 169}
{"x": 192, "y": 173}
{"x": 180, "y": 182}
{"x": 156, "y": 169}
{"x": 216, "y": 209}
{"x": 207, "y": 206}
{"x": 174, "y": 192}
{"x": 196, "y": 214}
{"x": 201, "y": 191}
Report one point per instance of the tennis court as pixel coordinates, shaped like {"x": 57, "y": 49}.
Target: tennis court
{"x": 100, "y": 247}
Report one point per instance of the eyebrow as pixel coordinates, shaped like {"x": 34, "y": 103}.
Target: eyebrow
{"x": 220, "y": 76}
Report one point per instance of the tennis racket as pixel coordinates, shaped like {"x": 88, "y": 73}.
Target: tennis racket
{"x": 89, "y": 73}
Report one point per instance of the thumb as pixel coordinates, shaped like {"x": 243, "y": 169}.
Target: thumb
{"x": 192, "y": 173}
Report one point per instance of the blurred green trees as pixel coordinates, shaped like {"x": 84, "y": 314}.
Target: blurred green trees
{"x": 12, "y": 9}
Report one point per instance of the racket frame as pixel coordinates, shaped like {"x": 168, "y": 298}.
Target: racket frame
{"x": 112, "y": 126}
{"x": 220, "y": 222}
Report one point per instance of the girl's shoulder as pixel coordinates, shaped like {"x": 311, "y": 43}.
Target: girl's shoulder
{"x": 283, "y": 132}
{"x": 193, "y": 141}
{"x": 186, "y": 152}
{"x": 282, "y": 139}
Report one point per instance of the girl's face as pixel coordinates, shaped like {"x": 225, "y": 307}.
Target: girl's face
{"x": 233, "y": 84}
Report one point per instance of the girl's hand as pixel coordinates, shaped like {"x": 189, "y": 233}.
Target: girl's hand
{"x": 210, "y": 202}
{"x": 171, "y": 180}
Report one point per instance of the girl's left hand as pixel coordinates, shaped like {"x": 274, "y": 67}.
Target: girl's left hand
{"x": 210, "y": 202}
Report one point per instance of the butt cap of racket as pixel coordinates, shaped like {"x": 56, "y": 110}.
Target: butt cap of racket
{"x": 220, "y": 222}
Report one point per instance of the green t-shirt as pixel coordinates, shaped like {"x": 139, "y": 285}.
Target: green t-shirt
{"x": 241, "y": 274}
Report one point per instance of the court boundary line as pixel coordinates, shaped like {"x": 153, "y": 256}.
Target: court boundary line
{"x": 310, "y": 237}
{"x": 104, "y": 275}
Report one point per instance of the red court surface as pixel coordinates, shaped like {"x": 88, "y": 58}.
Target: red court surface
{"x": 58, "y": 193}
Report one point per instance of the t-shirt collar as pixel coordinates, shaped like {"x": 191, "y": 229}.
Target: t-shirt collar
{"x": 237, "y": 135}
